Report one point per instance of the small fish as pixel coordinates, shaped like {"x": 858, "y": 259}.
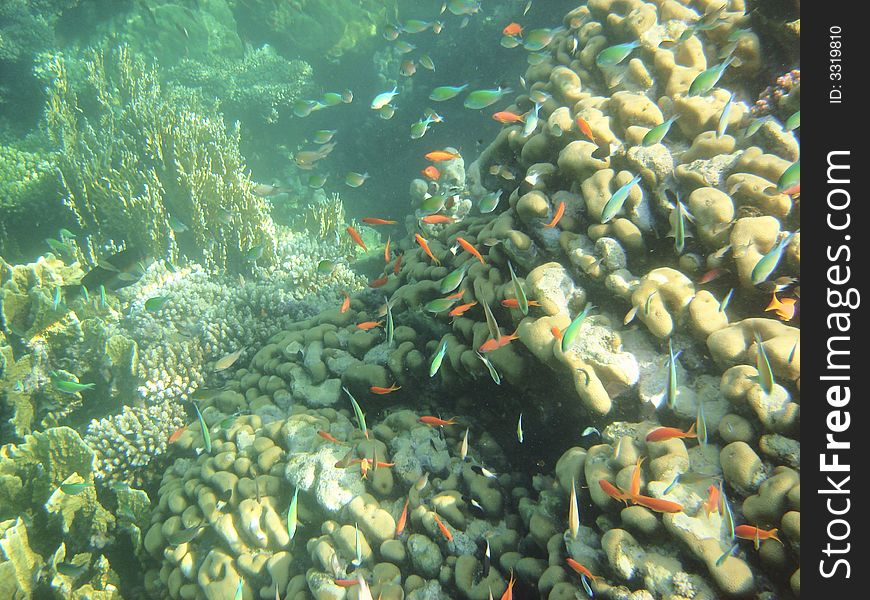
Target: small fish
{"x": 506, "y": 117}
{"x": 770, "y": 261}
{"x": 323, "y": 136}
{"x": 380, "y": 281}
{"x": 791, "y": 354}
{"x": 355, "y": 236}
{"x": 404, "y": 47}
{"x": 711, "y": 504}
{"x": 496, "y": 343}
{"x": 574, "y": 328}
{"x": 762, "y": 364}
{"x": 581, "y": 570}
{"x": 177, "y": 226}
{"x": 538, "y": 39}
{"x": 672, "y": 375}
{"x": 657, "y": 504}
{"x": 57, "y": 246}
{"x": 238, "y": 595}
{"x": 616, "y": 201}
{"x": 366, "y": 325}
{"x": 725, "y": 511}
{"x": 585, "y": 129}
{"x": 613, "y": 491}
{"x": 227, "y": 361}
{"x": 384, "y": 98}
{"x": 661, "y": 434}
{"x": 206, "y": 436}
{"x": 557, "y": 216}
{"x": 748, "y": 532}
{"x": 403, "y": 518}
{"x": 71, "y": 387}
{"x": 613, "y": 55}
{"x": 390, "y": 329}
{"x": 678, "y": 219}
{"x": 360, "y": 416}
{"x": 489, "y": 202}
{"x": 590, "y": 431}
{"x": 707, "y": 80}
{"x": 671, "y": 485}
{"x": 726, "y": 300}
{"x": 701, "y": 424}
{"x": 66, "y": 234}
{"x": 176, "y": 434}
{"x": 519, "y": 292}
{"x": 487, "y": 555}
{"x": 443, "y": 528}
{"x": 520, "y": 428}
{"x": 422, "y": 482}
{"x": 492, "y": 372}
{"x": 438, "y": 358}
{"x": 74, "y": 489}
{"x": 293, "y": 514}
{"x": 426, "y": 62}
{"x": 325, "y": 267}
{"x": 446, "y": 92}
{"x": 480, "y": 99}
{"x": 463, "y": 447}
{"x": 509, "y": 592}
{"x": 384, "y": 390}
{"x": 441, "y": 155}
{"x": 470, "y": 249}
{"x": 484, "y": 472}
{"x": 573, "y": 512}
{"x": 435, "y": 421}
{"x": 491, "y": 323}
{"x": 789, "y": 180}
{"x": 437, "y": 219}
{"x": 452, "y": 280}
{"x": 316, "y": 181}
{"x": 723, "y": 118}
{"x": 513, "y": 303}
{"x": 658, "y": 133}
{"x": 397, "y": 265}
{"x": 387, "y": 112}
{"x": 355, "y": 180}
{"x": 711, "y": 275}
{"x": 183, "y": 536}
{"x": 793, "y": 122}
{"x": 425, "y": 246}
{"x": 420, "y": 128}
{"x": 155, "y": 303}
{"x": 254, "y": 253}
{"x": 431, "y": 172}
{"x": 357, "y": 561}
{"x": 513, "y": 29}
{"x": 407, "y": 68}
{"x": 57, "y": 298}
{"x": 726, "y": 554}
{"x": 756, "y": 124}
{"x": 531, "y": 120}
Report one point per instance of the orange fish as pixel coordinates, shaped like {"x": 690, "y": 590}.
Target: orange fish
{"x": 356, "y": 238}
{"x": 613, "y": 491}
{"x": 440, "y": 155}
{"x": 559, "y": 212}
{"x": 455, "y": 295}
{"x": 432, "y": 219}
{"x": 509, "y": 592}
{"x": 177, "y": 434}
{"x": 514, "y": 303}
{"x": 557, "y": 333}
{"x": 581, "y": 570}
{"x": 346, "y": 582}
{"x": 470, "y": 249}
{"x": 444, "y": 531}
{"x": 403, "y": 518}
{"x": 712, "y": 275}
{"x": 436, "y": 421}
{"x": 329, "y": 437}
{"x": 506, "y": 117}
{"x": 407, "y": 68}
{"x": 432, "y": 173}
{"x": 585, "y": 129}
{"x": 376, "y": 283}
{"x": 493, "y": 344}
{"x": 634, "y": 490}
{"x": 384, "y": 390}
{"x": 346, "y": 304}
{"x": 460, "y": 310}
{"x": 513, "y": 29}
{"x": 657, "y": 504}
{"x": 748, "y": 532}
{"x": 784, "y": 308}
{"x": 377, "y": 221}
{"x": 425, "y": 245}
{"x": 668, "y": 433}
{"x": 794, "y": 190}
{"x": 387, "y": 251}
{"x": 711, "y": 504}
{"x": 398, "y": 264}
{"x": 369, "y": 325}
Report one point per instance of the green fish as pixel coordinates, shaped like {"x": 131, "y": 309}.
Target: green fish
{"x": 254, "y": 253}
{"x": 756, "y": 124}
{"x": 762, "y": 364}
{"x": 678, "y": 226}
{"x": 331, "y": 98}
{"x": 701, "y": 424}
{"x": 538, "y": 39}
{"x": 520, "y": 428}
{"x": 325, "y": 267}
{"x": 85, "y": 294}
{"x": 539, "y": 96}
{"x": 56, "y": 246}
{"x": 658, "y": 133}
{"x": 155, "y": 303}
{"x": 357, "y": 544}
{"x": 390, "y": 329}
{"x": 453, "y": 279}
{"x": 574, "y": 328}
{"x": 206, "y": 436}
{"x": 68, "y": 569}
{"x": 74, "y": 489}
{"x": 492, "y": 372}
{"x": 793, "y": 122}
{"x": 672, "y": 374}
{"x": 726, "y": 554}
{"x": 536, "y": 58}
{"x": 722, "y": 126}
{"x": 491, "y": 323}
{"x": 707, "y": 80}
{"x": 509, "y": 41}
{"x": 612, "y": 56}
{"x": 177, "y": 226}
{"x": 183, "y": 536}
{"x": 727, "y": 515}
{"x": 66, "y": 234}
{"x": 726, "y": 300}
{"x": 227, "y": 422}
{"x": 292, "y": 514}
{"x": 103, "y": 301}
{"x": 614, "y": 205}
{"x": 355, "y": 180}
{"x": 426, "y": 62}
{"x": 446, "y": 92}
{"x": 479, "y": 99}
{"x": 316, "y": 181}
{"x": 433, "y": 204}
{"x": 519, "y": 292}
{"x": 439, "y": 356}
{"x": 789, "y": 178}
{"x": 72, "y": 387}
{"x": 360, "y": 417}
{"x": 489, "y": 202}
{"x": 323, "y": 136}
{"x": 768, "y": 263}
{"x": 420, "y": 128}
{"x": 57, "y": 298}
{"x": 439, "y": 305}
{"x": 303, "y": 108}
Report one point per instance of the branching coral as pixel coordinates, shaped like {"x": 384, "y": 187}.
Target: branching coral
{"x": 132, "y": 161}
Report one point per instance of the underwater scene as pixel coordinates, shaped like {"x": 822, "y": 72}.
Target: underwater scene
{"x": 385, "y": 299}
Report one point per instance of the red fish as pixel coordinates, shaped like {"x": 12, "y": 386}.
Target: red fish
{"x": 329, "y": 437}
{"x": 387, "y": 251}
{"x": 657, "y": 504}
{"x": 634, "y": 490}
{"x": 346, "y": 304}
{"x": 493, "y": 344}
{"x": 455, "y": 295}
{"x": 356, "y": 238}
{"x": 460, "y": 310}
{"x": 425, "y": 245}
{"x": 509, "y": 592}
{"x": 376, "y": 283}
{"x": 513, "y": 29}
{"x": 669, "y": 433}
{"x": 506, "y": 117}
{"x": 177, "y": 434}
{"x": 403, "y": 518}
{"x": 513, "y": 303}
{"x": 581, "y": 570}
{"x": 794, "y": 190}
{"x": 711, "y": 504}
{"x": 428, "y": 420}
{"x": 557, "y": 333}
{"x": 748, "y": 532}
{"x": 613, "y": 491}
{"x": 712, "y": 275}
{"x": 470, "y": 249}
{"x": 432, "y": 219}
{"x": 585, "y": 129}
{"x": 369, "y": 325}
{"x": 377, "y": 221}
{"x": 346, "y": 582}
{"x": 440, "y": 155}
{"x": 784, "y": 308}
{"x": 444, "y": 531}
{"x": 559, "y": 212}
{"x": 431, "y": 172}
{"x": 384, "y": 390}
{"x": 398, "y": 264}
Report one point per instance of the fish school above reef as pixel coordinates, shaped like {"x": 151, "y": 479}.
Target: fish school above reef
{"x": 612, "y": 282}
